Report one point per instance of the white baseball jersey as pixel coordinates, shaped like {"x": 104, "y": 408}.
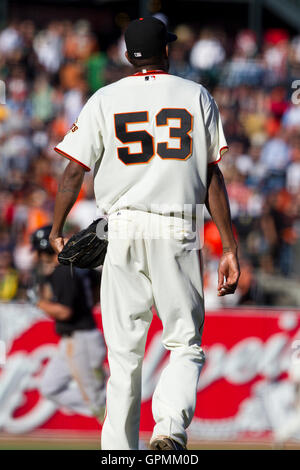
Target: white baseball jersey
{"x": 149, "y": 138}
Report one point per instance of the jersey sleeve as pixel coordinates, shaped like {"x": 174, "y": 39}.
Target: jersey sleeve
{"x": 215, "y": 139}
{"x": 83, "y": 143}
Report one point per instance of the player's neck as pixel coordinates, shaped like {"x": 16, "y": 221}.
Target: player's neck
{"x": 151, "y": 68}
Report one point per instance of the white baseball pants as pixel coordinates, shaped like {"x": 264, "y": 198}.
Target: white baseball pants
{"x": 141, "y": 271}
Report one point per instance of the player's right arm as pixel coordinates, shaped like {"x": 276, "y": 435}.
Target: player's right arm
{"x": 67, "y": 193}
{"x": 83, "y": 146}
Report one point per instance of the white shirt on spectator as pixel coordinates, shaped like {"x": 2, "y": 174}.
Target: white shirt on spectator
{"x": 291, "y": 117}
{"x": 10, "y": 40}
{"x": 293, "y": 178}
{"x": 275, "y": 154}
{"x": 207, "y": 53}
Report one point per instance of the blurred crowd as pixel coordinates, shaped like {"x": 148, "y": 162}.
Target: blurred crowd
{"x": 50, "y": 71}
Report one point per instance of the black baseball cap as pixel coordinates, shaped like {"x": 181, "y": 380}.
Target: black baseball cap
{"x": 147, "y": 37}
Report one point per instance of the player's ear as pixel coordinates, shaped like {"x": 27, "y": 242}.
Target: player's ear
{"x": 167, "y": 50}
{"x": 127, "y": 56}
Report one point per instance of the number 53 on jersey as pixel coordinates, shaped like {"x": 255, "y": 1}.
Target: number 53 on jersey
{"x": 148, "y": 146}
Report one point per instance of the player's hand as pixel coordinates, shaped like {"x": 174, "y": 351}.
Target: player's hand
{"x": 228, "y": 273}
{"x": 57, "y": 243}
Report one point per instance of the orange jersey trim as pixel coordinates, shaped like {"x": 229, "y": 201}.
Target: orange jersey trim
{"x": 64, "y": 154}
{"x": 222, "y": 151}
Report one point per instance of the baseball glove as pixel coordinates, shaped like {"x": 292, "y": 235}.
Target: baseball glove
{"x": 87, "y": 248}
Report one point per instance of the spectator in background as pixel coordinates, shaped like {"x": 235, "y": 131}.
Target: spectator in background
{"x": 276, "y": 157}
{"x": 10, "y": 39}
{"x": 207, "y": 52}
{"x": 42, "y": 99}
{"x": 293, "y": 170}
{"x": 291, "y": 118}
{"x": 95, "y": 67}
{"x": 250, "y": 164}
{"x": 179, "y": 53}
{"x": 278, "y": 227}
{"x": 294, "y": 58}
{"x": 8, "y": 278}
{"x": 275, "y": 55}
{"x": 243, "y": 68}
{"x": 48, "y": 46}
{"x": 179, "y": 64}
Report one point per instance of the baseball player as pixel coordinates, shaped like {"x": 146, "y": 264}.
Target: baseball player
{"x": 74, "y": 377}
{"x": 153, "y": 141}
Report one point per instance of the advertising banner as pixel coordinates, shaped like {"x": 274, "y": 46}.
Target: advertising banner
{"x": 245, "y": 389}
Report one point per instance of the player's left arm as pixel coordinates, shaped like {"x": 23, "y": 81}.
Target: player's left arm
{"x": 67, "y": 193}
{"x": 218, "y": 206}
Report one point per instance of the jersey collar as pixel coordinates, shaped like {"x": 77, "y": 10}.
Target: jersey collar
{"x": 149, "y": 72}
